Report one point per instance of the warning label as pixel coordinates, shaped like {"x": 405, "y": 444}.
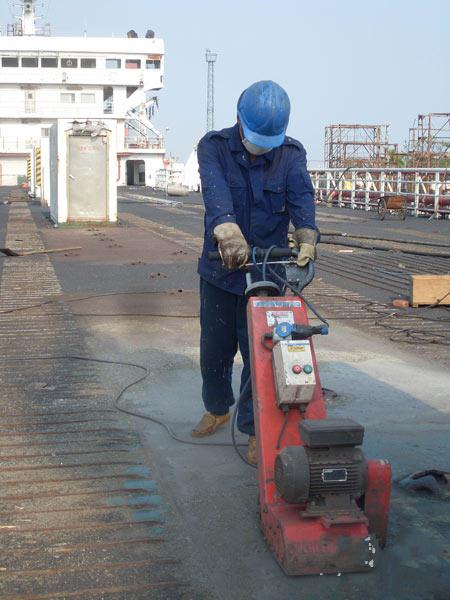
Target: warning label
{"x": 274, "y": 317}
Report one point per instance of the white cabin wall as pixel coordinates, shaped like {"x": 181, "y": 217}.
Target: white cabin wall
{"x": 54, "y": 190}
{"x": 31, "y": 102}
{"x": 12, "y": 167}
{"x": 46, "y": 176}
{"x": 153, "y": 164}
{"x": 48, "y": 102}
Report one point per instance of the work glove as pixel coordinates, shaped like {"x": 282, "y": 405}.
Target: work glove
{"x": 305, "y": 241}
{"x": 233, "y": 248}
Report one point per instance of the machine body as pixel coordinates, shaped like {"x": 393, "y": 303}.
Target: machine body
{"x": 323, "y": 506}
{"x": 294, "y": 374}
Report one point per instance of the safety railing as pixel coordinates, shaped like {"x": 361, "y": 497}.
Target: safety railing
{"x": 16, "y": 144}
{"x": 144, "y": 143}
{"x": 425, "y": 191}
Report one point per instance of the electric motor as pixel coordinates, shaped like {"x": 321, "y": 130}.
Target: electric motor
{"x": 328, "y": 465}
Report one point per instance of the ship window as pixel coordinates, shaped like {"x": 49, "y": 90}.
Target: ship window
{"x": 67, "y": 98}
{"x": 49, "y": 63}
{"x": 69, "y": 63}
{"x": 131, "y": 90}
{"x": 153, "y": 64}
{"x": 133, "y": 63}
{"x": 88, "y": 63}
{"x": 9, "y": 61}
{"x": 113, "y": 63}
{"x": 30, "y": 61}
{"x": 87, "y": 98}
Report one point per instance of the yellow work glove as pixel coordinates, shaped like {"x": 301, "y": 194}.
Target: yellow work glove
{"x": 305, "y": 241}
{"x": 232, "y": 245}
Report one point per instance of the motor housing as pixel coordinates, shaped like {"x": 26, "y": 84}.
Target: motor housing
{"x": 329, "y": 471}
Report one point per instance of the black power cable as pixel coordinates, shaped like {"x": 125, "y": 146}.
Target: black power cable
{"x": 118, "y": 397}
{"x": 283, "y": 427}
{"x": 107, "y": 295}
{"x": 233, "y": 423}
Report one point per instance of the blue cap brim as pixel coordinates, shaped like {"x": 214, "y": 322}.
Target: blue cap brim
{"x": 264, "y": 141}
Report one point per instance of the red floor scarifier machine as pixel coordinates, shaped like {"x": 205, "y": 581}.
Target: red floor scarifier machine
{"x": 323, "y": 506}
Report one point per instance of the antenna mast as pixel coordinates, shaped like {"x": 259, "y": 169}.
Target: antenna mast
{"x": 26, "y": 22}
{"x": 211, "y": 58}
{"x": 28, "y": 17}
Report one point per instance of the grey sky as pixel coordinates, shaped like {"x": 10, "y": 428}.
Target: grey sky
{"x": 348, "y": 61}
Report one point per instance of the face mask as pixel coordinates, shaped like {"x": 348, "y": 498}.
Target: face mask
{"x": 253, "y": 149}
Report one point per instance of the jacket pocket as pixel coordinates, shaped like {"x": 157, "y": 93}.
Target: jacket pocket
{"x": 238, "y": 192}
{"x": 276, "y": 193}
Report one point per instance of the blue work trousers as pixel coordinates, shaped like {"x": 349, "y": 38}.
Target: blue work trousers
{"x": 223, "y": 321}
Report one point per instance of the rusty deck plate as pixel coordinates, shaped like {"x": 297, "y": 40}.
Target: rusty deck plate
{"x": 80, "y": 514}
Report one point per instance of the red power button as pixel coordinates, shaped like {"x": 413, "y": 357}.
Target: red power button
{"x": 297, "y": 369}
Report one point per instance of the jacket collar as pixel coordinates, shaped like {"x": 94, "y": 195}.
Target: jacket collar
{"x": 236, "y": 145}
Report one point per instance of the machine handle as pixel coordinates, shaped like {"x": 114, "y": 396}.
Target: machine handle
{"x": 303, "y": 332}
{"x": 260, "y": 253}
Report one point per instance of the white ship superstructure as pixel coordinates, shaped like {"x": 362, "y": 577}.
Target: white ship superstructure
{"x": 45, "y": 78}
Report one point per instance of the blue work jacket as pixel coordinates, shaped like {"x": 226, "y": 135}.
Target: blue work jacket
{"x": 261, "y": 196}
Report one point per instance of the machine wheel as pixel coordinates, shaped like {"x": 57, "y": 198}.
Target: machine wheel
{"x": 382, "y": 208}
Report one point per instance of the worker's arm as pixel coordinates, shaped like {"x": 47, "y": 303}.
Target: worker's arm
{"x": 300, "y": 192}
{"x": 216, "y": 193}
{"x": 302, "y": 209}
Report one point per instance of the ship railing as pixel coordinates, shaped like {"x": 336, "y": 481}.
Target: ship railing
{"x": 16, "y": 29}
{"x": 16, "y": 144}
{"x": 425, "y": 191}
{"x": 144, "y": 143}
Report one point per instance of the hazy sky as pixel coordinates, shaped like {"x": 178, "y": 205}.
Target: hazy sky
{"x": 347, "y": 61}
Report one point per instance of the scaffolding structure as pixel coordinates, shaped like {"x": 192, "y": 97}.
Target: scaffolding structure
{"x": 358, "y": 146}
{"x": 429, "y": 142}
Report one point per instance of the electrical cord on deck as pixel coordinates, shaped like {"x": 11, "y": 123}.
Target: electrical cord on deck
{"x": 68, "y": 300}
{"x": 233, "y": 423}
{"x": 119, "y": 396}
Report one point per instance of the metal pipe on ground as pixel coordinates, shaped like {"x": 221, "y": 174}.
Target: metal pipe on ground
{"x": 358, "y": 236}
{"x": 384, "y": 247}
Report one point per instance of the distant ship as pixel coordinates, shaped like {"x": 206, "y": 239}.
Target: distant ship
{"x": 45, "y": 78}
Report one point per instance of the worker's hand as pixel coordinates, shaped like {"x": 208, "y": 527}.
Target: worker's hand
{"x": 305, "y": 241}
{"x": 232, "y": 245}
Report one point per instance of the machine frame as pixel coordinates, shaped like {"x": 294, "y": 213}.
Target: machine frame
{"x": 302, "y": 542}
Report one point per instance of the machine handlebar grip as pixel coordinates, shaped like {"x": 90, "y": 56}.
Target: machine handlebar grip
{"x": 260, "y": 253}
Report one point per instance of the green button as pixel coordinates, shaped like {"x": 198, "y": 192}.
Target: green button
{"x": 307, "y": 369}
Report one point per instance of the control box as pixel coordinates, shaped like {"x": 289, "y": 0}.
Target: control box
{"x": 293, "y": 369}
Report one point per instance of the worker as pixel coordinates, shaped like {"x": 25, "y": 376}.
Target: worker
{"x": 254, "y": 182}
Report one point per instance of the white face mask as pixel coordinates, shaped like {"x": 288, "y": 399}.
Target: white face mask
{"x": 253, "y": 149}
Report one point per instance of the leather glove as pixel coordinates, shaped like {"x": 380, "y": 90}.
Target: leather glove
{"x": 232, "y": 245}
{"x": 305, "y": 240}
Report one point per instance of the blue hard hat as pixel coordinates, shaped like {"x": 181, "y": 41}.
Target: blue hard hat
{"x": 263, "y": 111}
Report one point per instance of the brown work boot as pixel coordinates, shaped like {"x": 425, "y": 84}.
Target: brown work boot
{"x": 209, "y": 424}
{"x": 251, "y": 450}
